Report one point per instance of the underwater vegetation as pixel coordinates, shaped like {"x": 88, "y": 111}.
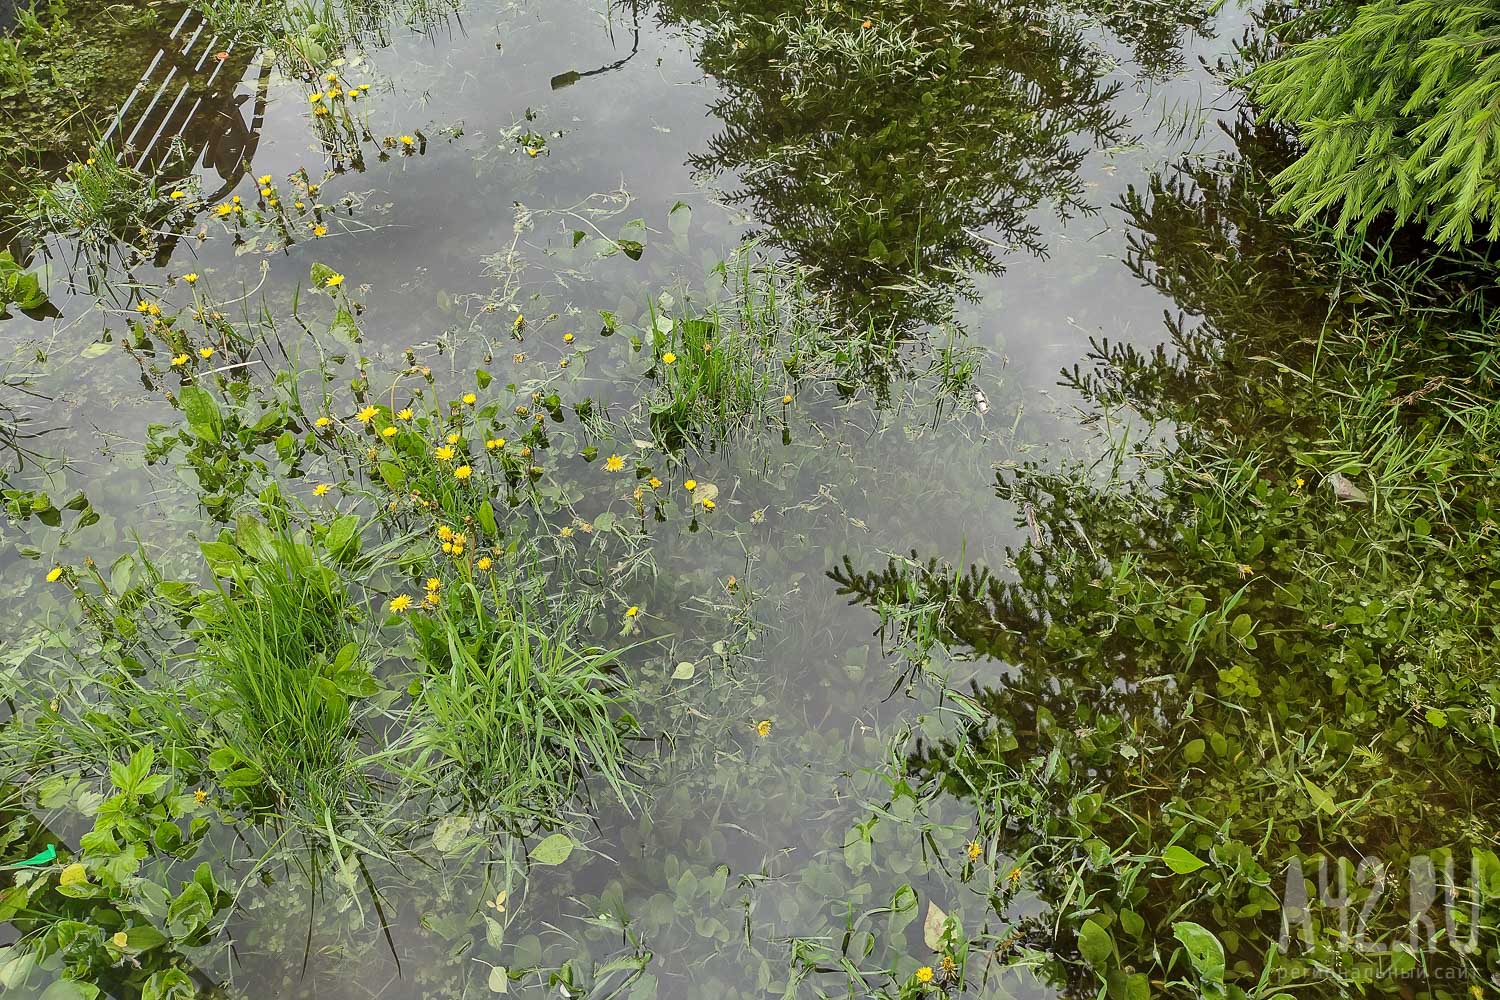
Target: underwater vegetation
{"x": 962, "y": 498}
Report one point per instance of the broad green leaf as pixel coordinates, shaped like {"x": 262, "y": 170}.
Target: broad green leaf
{"x": 554, "y": 850}
{"x": 202, "y": 413}
{"x": 1321, "y": 800}
{"x": 1206, "y": 954}
{"x": 1181, "y": 860}
{"x": 69, "y": 989}
{"x": 189, "y": 912}
{"x": 1095, "y": 944}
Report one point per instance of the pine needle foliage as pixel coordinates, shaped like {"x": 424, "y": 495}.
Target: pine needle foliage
{"x": 1397, "y": 103}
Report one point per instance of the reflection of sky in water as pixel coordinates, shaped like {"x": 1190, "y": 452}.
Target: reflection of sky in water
{"x": 419, "y": 238}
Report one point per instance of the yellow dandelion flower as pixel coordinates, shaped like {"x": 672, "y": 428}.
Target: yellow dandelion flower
{"x": 178, "y": 195}
{"x": 452, "y": 439}
{"x": 224, "y": 210}
{"x": 614, "y": 463}
{"x": 690, "y": 484}
{"x": 191, "y": 277}
{"x": 445, "y": 533}
{"x": 181, "y": 359}
{"x": 494, "y": 443}
{"x": 462, "y": 472}
{"x": 320, "y": 230}
{"x": 763, "y": 728}
{"x": 200, "y": 796}
{"x": 322, "y": 422}
{"x": 265, "y": 192}
{"x": 974, "y": 850}
{"x": 708, "y": 505}
{"x": 669, "y": 358}
{"x": 786, "y": 400}
{"x": 433, "y": 583}
{"x": 321, "y": 490}
{"x": 924, "y": 974}
{"x": 388, "y": 432}
{"x": 54, "y": 574}
{"x": 632, "y": 611}
{"x": 485, "y": 562}
{"x": 205, "y": 353}
{"x": 264, "y": 179}
{"x": 470, "y": 399}
{"x": 1015, "y": 875}
{"x": 565, "y": 532}
{"x": 407, "y": 140}
{"x": 654, "y": 483}
{"x": 400, "y": 603}
{"x": 567, "y": 338}
{"x": 314, "y": 98}
{"x": 431, "y": 600}
{"x": 405, "y": 414}
{"x": 367, "y": 414}
{"x": 334, "y": 281}
{"x": 444, "y": 454}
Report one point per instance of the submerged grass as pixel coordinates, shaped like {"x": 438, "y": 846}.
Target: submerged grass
{"x": 519, "y": 711}
{"x": 277, "y": 640}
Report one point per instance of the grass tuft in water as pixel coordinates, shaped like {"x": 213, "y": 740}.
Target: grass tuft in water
{"x": 519, "y": 709}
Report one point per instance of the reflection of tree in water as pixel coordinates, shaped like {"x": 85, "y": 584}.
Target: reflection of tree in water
{"x": 1213, "y": 655}
{"x": 899, "y": 159}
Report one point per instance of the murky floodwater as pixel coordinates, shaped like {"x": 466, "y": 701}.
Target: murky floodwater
{"x": 974, "y": 199}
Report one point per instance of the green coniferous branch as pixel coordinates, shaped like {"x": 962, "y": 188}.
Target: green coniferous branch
{"x": 1397, "y": 104}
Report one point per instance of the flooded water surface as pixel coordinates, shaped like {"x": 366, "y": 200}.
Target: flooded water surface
{"x": 726, "y": 499}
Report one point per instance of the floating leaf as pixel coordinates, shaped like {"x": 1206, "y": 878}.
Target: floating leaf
{"x": 932, "y": 926}
{"x": 450, "y": 832}
{"x": 554, "y": 850}
{"x": 684, "y": 671}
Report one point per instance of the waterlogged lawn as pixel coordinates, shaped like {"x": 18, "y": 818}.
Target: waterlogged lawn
{"x": 737, "y": 499}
